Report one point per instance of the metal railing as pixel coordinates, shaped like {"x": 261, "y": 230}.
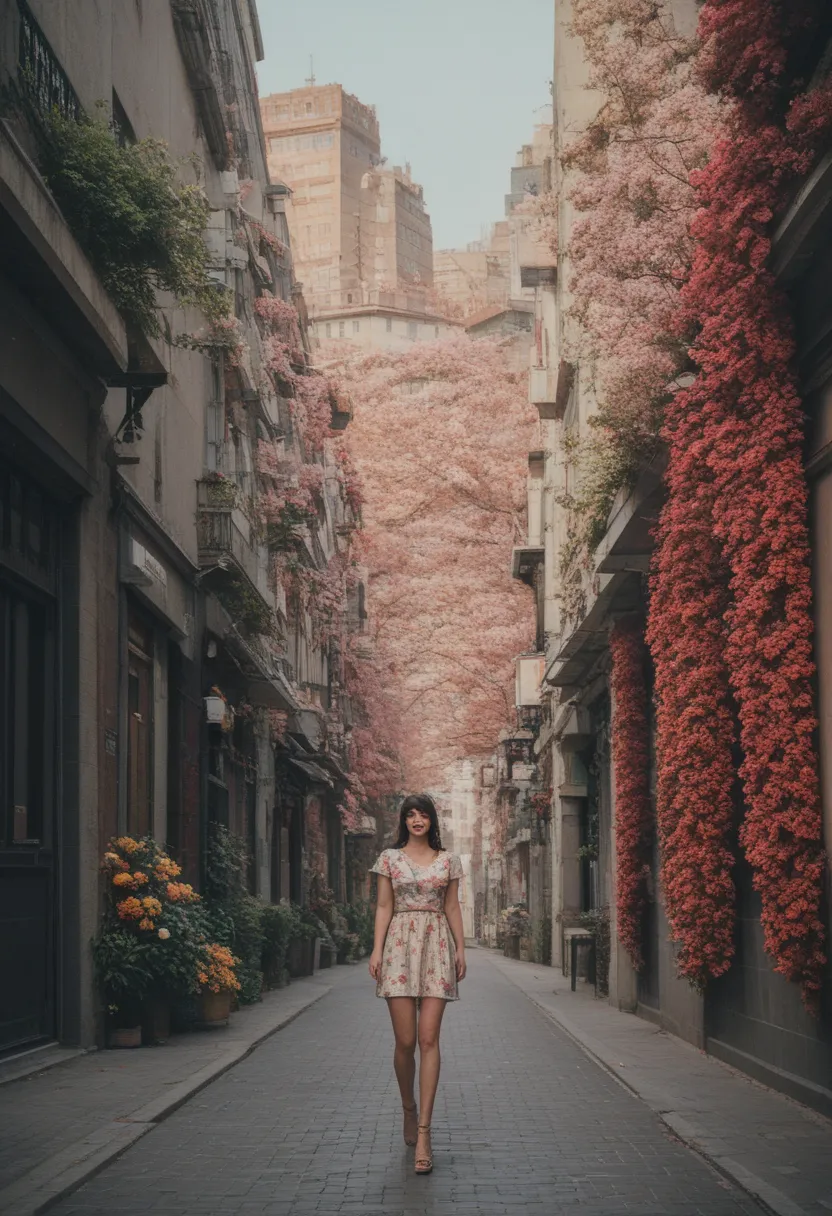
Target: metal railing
{"x": 41, "y": 75}
{"x": 218, "y": 536}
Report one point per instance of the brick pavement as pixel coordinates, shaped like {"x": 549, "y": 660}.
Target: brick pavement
{"x": 310, "y": 1124}
{"x": 53, "y": 1121}
{"x": 778, "y": 1149}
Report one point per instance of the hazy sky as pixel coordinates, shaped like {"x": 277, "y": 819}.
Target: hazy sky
{"x": 458, "y": 86}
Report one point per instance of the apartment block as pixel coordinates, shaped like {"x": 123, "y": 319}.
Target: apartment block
{"x": 321, "y": 142}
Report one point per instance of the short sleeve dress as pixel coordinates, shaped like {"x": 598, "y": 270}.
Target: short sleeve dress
{"x": 419, "y": 958}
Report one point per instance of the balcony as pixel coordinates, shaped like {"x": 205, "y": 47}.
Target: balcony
{"x": 549, "y": 390}
{"x": 222, "y": 542}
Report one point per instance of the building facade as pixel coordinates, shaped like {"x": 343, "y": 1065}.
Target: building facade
{"x": 389, "y": 320}
{"x": 750, "y": 1016}
{"x": 358, "y": 226}
{"x": 156, "y": 677}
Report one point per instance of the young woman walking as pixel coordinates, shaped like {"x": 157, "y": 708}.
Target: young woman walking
{"x": 418, "y": 957}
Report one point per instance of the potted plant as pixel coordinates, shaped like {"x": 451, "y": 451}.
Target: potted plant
{"x": 515, "y": 924}
{"x": 280, "y": 924}
{"x": 158, "y": 918}
{"x": 217, "y": 983}
{"x": 123, "y": 973}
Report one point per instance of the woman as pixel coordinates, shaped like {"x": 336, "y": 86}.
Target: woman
{"x": 416, "y": 962}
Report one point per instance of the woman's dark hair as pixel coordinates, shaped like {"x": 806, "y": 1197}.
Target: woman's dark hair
{"x": 419, "y": 802}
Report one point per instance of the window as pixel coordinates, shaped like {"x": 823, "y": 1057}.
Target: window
{"x": 329, "y": 329}
{"x": 356, "y": 326}
{"x": 341, "y": 329}
{"x": 389, "y": 325}
{"x": 436, "y": 331}
{"x": 122, "y": 127}
{"x": 139, "y": 726}
{"x": 412, "y": 329}
{"x": 215, "y": 423}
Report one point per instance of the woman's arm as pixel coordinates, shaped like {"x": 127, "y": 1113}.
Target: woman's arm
{"x": 384, "y": 914}
{"x": 454, "y": 915}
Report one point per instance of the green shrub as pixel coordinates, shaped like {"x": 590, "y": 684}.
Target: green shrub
{"x": 361, "y": 921}
{"x": 140, "y": 226}
{"x": 280, "y": 925}
{"x": 235, "y": 915}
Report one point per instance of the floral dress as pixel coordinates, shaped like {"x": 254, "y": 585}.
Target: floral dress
{"x": 419, "y": 958}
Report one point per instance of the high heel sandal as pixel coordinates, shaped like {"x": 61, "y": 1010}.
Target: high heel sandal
{"x": 410, "y": 1110}
{"x": 424, "y": 1165}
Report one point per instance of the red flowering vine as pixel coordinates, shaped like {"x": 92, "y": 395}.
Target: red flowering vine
{"x": 694, "y": 719}
{"x": 737, "y": 433}
{"x": 633, "y": 812}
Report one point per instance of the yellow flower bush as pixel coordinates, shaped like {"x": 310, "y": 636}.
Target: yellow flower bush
{"x": 133, "y": 864}
{"x": 130, "y": 908}
{"x": 127, "y": 844}
{"x": 216, "y": 970}
{"x": 181, "y": 892}
{"x": 167, "y": 869}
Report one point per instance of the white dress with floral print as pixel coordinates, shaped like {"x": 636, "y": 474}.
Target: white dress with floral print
{"x": 419, "y": 958}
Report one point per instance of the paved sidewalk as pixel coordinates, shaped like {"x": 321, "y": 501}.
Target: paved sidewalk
{"x": 62, "y": 1125}
{"x": 775, "y": 1148}
{"x": 310, "y": 1125}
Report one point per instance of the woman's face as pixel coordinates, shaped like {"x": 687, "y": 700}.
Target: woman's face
{"x": 418, "y": 823}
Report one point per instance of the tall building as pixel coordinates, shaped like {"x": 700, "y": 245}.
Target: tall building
{"x": 321, "y": 141}
{"x": 362, "y": 237}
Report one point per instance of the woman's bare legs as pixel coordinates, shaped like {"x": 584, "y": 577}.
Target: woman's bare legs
{"x": 403, "y": 1016}
{"x": 430, "y": 1023}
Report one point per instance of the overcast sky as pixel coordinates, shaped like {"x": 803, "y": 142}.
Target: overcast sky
{"x": 458, "y": 86}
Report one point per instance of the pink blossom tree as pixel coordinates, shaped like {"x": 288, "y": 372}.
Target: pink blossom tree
{"x": 440, "y": 437}
{"x": 631, "y": 245}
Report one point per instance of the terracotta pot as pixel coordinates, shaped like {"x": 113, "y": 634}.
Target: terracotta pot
{"x": 215, "y": 1007}
{"x": 129, "y": 1036}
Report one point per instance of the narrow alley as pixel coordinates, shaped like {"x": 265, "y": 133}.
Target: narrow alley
{"x": 309, "y": 1123}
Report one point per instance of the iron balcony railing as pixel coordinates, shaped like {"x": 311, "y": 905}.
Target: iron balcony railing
{"x": 41, "y": 75}
{"x": 219, "y": 537}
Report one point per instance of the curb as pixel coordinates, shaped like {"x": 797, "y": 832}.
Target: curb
{"x": 769, "y": 1199}
{"x": 63, "y": 1173}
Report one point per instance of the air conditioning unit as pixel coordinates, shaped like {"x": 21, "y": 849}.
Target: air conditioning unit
{"x": 542, "y": 386}
{"x": 530, "y": 671}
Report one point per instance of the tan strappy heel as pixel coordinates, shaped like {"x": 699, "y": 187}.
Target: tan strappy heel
{"x": 410, "y": 1110}
{"x": 424, "y": 1165}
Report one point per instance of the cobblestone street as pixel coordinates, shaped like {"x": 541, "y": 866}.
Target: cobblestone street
{"x": 310, "y": 1123}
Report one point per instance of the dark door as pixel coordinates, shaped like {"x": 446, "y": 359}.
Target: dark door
{"x": 28, "y": 743}
{"x": 139, "y": 726}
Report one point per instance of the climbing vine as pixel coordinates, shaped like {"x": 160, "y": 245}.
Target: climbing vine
{"x": 731, "y": 611}
{"x": 633, "y": 812}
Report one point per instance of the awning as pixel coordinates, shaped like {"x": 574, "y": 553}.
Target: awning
{"x": 312, "y": 771}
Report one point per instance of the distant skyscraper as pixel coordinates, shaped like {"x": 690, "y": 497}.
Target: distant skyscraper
{"x": 321, "y": 141}
{"x": 357, "y": 226}
{"x": 361, "y": 237}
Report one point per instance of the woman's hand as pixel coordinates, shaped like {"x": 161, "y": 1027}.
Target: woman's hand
{"x": 375, "y": 965}
{"x": 461, "y": 969}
